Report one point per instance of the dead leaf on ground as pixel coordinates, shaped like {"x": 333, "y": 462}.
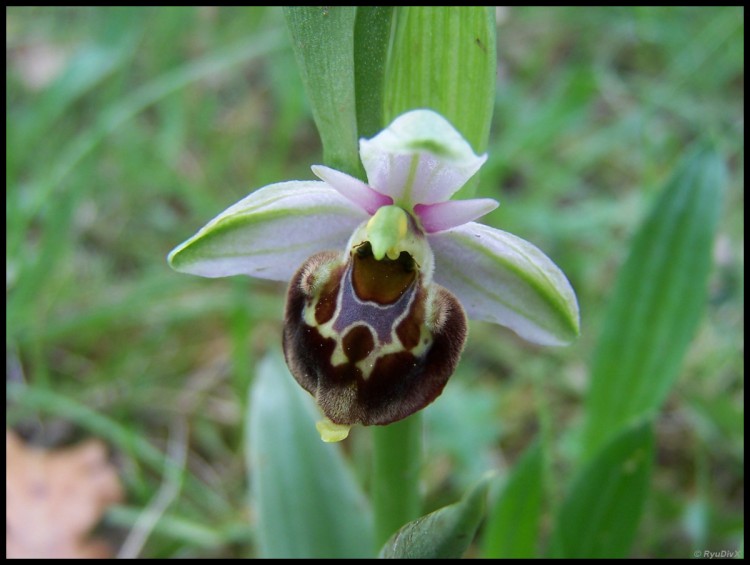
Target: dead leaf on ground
{"x": 55, "y": 497}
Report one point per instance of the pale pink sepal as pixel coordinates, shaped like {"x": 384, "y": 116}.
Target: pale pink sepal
{"x": 271, "y": 232}
{"x": 503, "y": 279}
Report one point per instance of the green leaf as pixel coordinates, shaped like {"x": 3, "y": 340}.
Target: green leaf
{"x": 323, "y": 41}
{"x": 513, "y": 525}
{"x": 445, "y": 533}
{"x": 372, "y": 34}
{"x": 305, "y": 498}
{"x": 445, "y": 59}
{"x": 599, "y": 517}
{"x": 658, "y": 300}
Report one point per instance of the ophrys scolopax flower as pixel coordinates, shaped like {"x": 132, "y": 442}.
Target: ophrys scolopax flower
{"x": 382, "y": 272}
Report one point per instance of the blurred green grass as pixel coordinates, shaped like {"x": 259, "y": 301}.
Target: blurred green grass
{"x": 150, "y": 121}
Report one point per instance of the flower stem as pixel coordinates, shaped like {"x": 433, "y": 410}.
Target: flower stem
{"x": 397, "y": 451}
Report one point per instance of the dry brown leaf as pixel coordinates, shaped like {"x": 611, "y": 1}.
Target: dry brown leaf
{"x": 55, "y": 497}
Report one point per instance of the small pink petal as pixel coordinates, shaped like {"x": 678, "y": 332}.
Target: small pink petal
{"x": 353, "y": 189}
{"x": 443, "y": 216}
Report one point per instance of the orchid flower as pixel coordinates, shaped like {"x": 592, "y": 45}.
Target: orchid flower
{"x": 382, "y": 272}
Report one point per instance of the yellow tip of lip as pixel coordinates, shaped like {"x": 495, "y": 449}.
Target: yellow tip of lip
{"x": 392, "y": 253}
{"x": 331, "y": 432}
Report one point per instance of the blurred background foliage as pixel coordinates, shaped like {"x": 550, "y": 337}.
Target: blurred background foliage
{"x": 129, "y": 128}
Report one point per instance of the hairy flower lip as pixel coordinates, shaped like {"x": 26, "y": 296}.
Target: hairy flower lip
{"x": 372, "y": 347}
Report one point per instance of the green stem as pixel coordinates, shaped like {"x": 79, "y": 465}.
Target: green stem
{"x": 397, "y": 450}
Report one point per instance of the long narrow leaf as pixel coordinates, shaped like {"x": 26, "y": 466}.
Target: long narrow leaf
{"x": 600, "y": 515}
{"x": 305, "y": 498}
{"x": 445, "y": 59}
{"x": 658, "y": 300}
{"x": 372, "y": 34}
{"x": 323, "y": 41}
{"x": 513, "y": 525}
